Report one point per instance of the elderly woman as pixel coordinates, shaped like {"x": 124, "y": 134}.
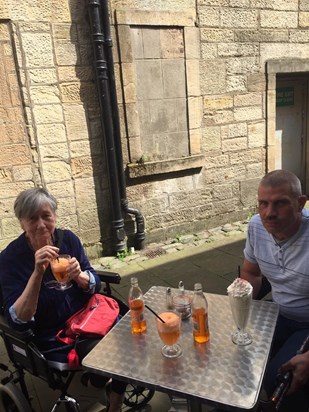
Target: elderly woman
{"x": 29, "y": 302}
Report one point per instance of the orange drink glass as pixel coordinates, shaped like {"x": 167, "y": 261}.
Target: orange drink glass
{"x": 59, "y": 267}
{"x": 169, "y": 332}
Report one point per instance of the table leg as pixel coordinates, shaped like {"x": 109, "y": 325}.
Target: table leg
{"x": 194, "y": 406}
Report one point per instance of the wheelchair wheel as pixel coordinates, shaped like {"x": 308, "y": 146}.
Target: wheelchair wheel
{"x": 136, "y": 396}
{"x": 12, "y": 399}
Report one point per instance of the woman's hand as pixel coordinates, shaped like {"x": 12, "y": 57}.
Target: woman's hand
{"x": 76, "y": 274}
{"x": 43, "y": 257}
{"x": 299, "y": 366}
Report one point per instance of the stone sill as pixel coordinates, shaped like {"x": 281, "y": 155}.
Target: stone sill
{"x": 164, "y": 166}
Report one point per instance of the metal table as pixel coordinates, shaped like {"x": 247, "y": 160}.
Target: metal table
{"x": 218, "y": 372}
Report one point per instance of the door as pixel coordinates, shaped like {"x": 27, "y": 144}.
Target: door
{"x": 291, "y": 125}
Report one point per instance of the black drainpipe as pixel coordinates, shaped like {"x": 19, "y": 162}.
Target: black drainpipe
{"x": 102, "y": 43}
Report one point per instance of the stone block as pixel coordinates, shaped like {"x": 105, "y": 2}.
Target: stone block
{"x": 51, "y": 133}
{"x": 213, "y": 77}
{"x": 257, "y": 134}
{"x": 211, "y": 138}
{"x": 49, "y": 113}
{"x": 11, "y": 190}
{"x": 219, "y": 117}
{"x": 173, "y": 86}
{"x": 85, "y": 192}
{"x": 54, "y": 151}
{"x": 38, "y": 49}
{"x": 192, "y": 43}
{"x": 74, "y": 74}
{"x": 236, "y": 144}
{"x": 209, "y": 51}
{"x": 4, "y": 30}
{"x": 66, "y": 53}
{"x": 304, "y": 5}
{"x": 22, "y": 173}
{"x": 212, "y": 35}
{"x": 149, "y": 80}
{"x": 76, "y": 122}
{"x": 278, "y": 19}
{"x": 222, "y": 192}
{"x": 193, "y": 77}
{"x": 56, "y": 171}
{"x": 240, "y": 65}
{"x": 236, "y": 49}
{"x": 129, "y": 82}
{"x": 246, "y": 157}
{"x": 46, "y": 94}
{"x": 255, "y": 169}
{"x": 80, "y": 148}
{"x": 68, "y": 222}
{"x": 234, "y": 130}
{"x": 6, "y": 175}
{"x": 130, "y": 42}
{"x": 88, "y": 218}
{"x": 248, "y": 113}
{"x": 56, "y": 189}
{"x": 275, "y": 4}
{"x": 133, "y": 124}
{"x": 10, "y": 227}
{"x": 239, "y": 18}
{"x": 248, "y": 192}
{"x": 221, "y": 160}
{"x": 172, "y": 43}
{"x": 262, "y": 35}
{"x": 43, "y": 76}
{"x": 209, "y": 16}
{"x": 173, "y": 17}
{"x": 66, "y": 205}
{"x": 65, "y": 32}
{"x": 248, "y": 99}
{"x": 195, "y": 112}
{"x": 195, "y": 139}
{"x": 214, "y": 103}
{"x": 135, "y": 148}
{"x": 299, "y": 36}
{"x": 14, "y": 155}
{"x": 256, "y": 82}
{"x": 304, "y": 19}
{"x": 151, "y": 43}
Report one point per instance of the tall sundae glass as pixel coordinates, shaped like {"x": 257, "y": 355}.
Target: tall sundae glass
{"x": 240, "y": 297}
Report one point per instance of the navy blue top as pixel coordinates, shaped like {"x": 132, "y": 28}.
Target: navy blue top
{"x": 54, "y": 306}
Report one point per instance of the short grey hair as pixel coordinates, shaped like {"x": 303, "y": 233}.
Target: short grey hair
{"x": 30, "y": 200}
{"x": 283, "y": 177}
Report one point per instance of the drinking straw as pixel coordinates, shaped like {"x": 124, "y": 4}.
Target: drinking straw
{"x": 163, "y": 321}
{"x": 239, "y": 272}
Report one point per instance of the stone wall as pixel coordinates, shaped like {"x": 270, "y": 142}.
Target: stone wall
{"x": 192, "y": 87}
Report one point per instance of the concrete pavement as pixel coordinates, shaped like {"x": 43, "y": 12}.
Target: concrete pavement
{"x": 211, "y": 258}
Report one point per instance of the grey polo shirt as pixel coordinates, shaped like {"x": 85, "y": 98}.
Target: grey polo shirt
{"x": 285, "y": 265}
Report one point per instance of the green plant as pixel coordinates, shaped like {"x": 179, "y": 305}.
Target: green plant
{"x": 178, "y": 238}
{"x": 123, "y": 254}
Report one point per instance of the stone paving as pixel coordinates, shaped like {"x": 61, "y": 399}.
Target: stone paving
{"x": 170, "y": 246}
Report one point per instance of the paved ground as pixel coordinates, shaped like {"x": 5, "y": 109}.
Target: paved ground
{"x": 211, "y": 258}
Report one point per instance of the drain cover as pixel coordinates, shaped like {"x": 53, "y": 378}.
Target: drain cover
{"x": 152, "y": 253}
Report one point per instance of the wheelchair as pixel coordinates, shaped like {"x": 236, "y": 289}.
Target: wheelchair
{"x": 26, "y": 358}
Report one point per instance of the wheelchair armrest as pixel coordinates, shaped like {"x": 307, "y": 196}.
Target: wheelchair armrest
{"x": 6, "y": 329}
{"x": 108, "y": 277}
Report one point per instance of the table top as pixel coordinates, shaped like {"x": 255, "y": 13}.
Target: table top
{"x": 217, "y": 371}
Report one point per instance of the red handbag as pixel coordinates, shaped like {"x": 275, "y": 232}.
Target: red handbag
{"x": 94, "y": 320}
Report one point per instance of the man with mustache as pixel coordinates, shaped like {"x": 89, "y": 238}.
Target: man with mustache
{"x": 277, "y": 249}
